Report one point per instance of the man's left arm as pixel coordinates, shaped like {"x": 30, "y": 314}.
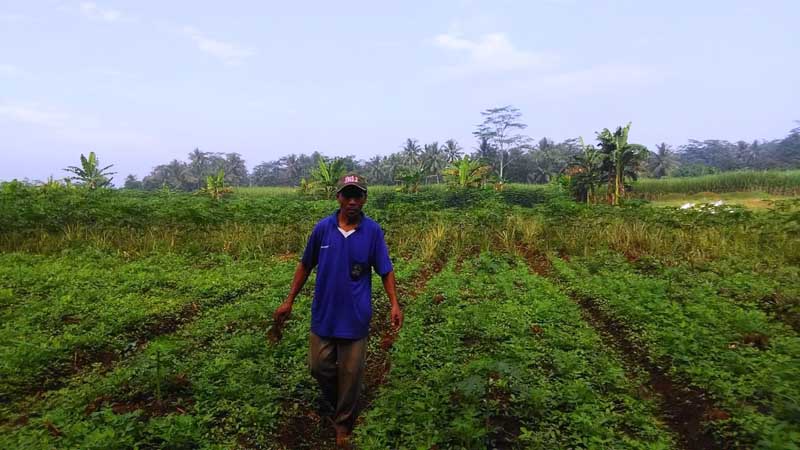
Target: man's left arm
{"x": 383, "y": 265}
{"x": 389, "y": 285}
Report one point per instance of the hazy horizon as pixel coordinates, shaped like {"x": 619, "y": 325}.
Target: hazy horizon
{"x": 144, "y": 83}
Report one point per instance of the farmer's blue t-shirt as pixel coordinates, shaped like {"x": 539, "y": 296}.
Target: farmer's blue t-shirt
{"x": 342, "y": 306}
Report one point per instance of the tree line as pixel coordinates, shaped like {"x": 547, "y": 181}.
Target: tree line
{"x": 499, "y": 143}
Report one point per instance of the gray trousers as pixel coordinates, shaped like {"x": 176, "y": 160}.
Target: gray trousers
{"x": 338, "y": 366}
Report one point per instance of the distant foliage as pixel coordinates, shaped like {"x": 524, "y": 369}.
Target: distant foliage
{"x": 192, "y": 175}
{"x": 773, "y": 182}
{"x": 720, "y": 156}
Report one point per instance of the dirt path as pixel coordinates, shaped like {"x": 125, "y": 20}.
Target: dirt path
{"x": 683, "y": 408}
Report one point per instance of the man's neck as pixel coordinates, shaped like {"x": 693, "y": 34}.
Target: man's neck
{"x": 345, "y": 221}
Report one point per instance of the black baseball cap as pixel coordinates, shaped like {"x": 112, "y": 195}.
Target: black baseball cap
{"x": 351, "y": 179}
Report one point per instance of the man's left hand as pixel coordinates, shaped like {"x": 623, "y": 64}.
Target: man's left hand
{"x": 397, "y": 318}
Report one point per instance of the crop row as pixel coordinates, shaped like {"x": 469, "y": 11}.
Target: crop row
{"x": 63, "y": 313}
{"x": 748, "y": 363}
{"x": 492, "y": 356}
{"x": 772, "y": 289}
{"x": 217, "y": 382}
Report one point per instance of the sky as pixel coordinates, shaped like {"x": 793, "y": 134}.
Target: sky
{"x": 144, "y": 82}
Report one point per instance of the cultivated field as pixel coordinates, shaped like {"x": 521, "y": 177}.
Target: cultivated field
{"x": 133, "y": 319}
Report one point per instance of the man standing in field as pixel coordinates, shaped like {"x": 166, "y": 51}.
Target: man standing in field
{"x": 345, "y": 247}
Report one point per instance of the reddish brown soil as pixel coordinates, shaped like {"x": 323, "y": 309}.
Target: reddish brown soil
{"x": 537, "y": 261}
{"x": 504, "y": 427}
{"x": 685, "y": 409}
{"x": 176, "y": 399}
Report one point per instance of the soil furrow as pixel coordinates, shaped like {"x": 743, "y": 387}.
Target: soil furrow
{"x": 685, "y": 409}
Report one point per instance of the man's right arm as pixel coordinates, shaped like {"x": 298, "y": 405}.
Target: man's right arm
{"x": 298, "y": 281}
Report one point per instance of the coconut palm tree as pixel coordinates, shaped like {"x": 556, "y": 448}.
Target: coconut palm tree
{"x": 90, "y": 173}
{"x": 662, "y": 161}
{"x": 452, "y": 150}
{"x": 411, "y": 152}
{"x": 199, "y": 165}
{"x": 178, "y": 175}
{"x": 433, "y": 159}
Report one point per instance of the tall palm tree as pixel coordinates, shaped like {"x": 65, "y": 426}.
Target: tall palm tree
{"x": 235, "y": 169}
{"x": 485, "y": 150}
{"x": 662, "y": 161}
{"x": 433, "y": 159}
{"x": 199, "y": 165}
{"x": 179, "y": 175}
{"x": 376, "y": 169}
{"x": 452, "y": 150}
{"x": 291, "y": 164}
{"x": 411, "y": 152}
{"x": 90, "y": 173}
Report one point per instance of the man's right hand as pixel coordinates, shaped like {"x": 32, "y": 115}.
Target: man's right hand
{"x": 282, "y": 313}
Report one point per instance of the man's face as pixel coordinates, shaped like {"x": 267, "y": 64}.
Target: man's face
{"x": 351, "y": 200}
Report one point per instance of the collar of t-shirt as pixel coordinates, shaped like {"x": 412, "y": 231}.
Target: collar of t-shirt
{"x": 346, "y": 233}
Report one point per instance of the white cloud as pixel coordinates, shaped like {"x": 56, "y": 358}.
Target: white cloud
{"x": 539, "y": 73}
{"x": 94, "y": 12}
{"x": 492, "y": 52}
{"x": 228, "y": 53}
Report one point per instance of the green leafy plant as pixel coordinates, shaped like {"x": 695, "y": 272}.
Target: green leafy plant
{"x": 621, "y": 159}
{"x": 90, "y": 174}
{"x": 466, "y": 173}
{"x": 215, "y": 186}
{"x": 325, "y": 177}
{"x": 410, "y": 179}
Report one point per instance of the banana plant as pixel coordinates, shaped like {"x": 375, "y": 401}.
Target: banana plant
{"x": 621, "y": 159}
{"x": 325, "y": 177}
{"x": 90, "y": 174}
{"x": 409, "y": 179}
{"x": 215, "y": 186}
{"x": 465, "y": 173}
